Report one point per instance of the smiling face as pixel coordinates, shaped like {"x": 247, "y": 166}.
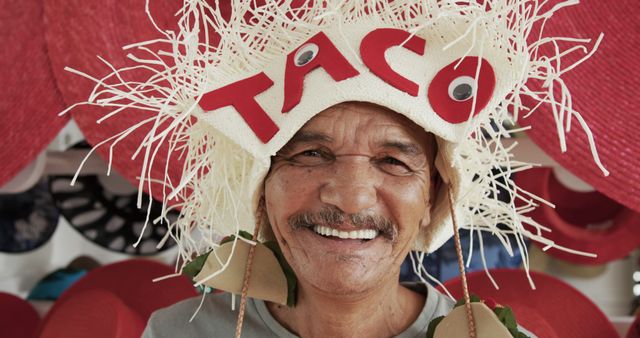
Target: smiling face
{"x": 347, "y": 196}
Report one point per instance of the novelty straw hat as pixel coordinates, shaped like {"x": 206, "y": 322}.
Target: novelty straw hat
{"x": 29, "y": 99}
{"x": 217, "y": 107}
{"x": 585, "y": 221}
{"x": 600, "y": 92}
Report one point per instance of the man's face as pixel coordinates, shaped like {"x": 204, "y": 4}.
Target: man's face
{"x": 347, "y": 195}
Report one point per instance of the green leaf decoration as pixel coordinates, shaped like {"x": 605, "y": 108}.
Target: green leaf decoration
{"x": 292, "y": 280}
{"x": 193, "y": 268}
{"x": 432, "y": 326}
{"x": 472, "y": 299}
{"x": 506, "y": 316}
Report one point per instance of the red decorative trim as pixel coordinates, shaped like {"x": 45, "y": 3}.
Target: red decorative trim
{"x": 375, "y": 44}
{"x": 241, "y": 95}
{"x": 328, "y": 57}
{"x": 454, "y": 111}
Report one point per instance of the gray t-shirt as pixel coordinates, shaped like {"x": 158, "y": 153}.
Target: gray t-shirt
{"x": 216, "y": 319}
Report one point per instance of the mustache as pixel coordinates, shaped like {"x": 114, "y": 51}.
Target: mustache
{"x": 331, "y": 215}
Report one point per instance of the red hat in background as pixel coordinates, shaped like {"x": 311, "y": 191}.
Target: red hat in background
{"x": 29, "y": 99}
{"x": 585, "y": 221}
{"x": 553, "y": 309}
{"x": 606, "y": 99}
{"x": 18, "y": 319}
{"x": 127, "y": 288}
{"x": 101, "y": 28}
{"x": 96, "y": 314}
{"x": 634, "y": 328}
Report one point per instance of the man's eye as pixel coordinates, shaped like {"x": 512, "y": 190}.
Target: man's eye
{"x": 311, "y": 157}
{"x": 393, "y": 166}
{"x": 391, "y": 160}
{"x": 311, "y": 153}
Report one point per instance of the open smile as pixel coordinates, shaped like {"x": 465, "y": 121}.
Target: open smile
{"x": 339, "y": 240}
{"x": 363, "y": 234}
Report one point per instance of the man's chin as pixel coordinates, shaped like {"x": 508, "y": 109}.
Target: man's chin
{"x": 344, "y": 284}
{"x": 340, "y": 274}
{"x": 340, "y": 266}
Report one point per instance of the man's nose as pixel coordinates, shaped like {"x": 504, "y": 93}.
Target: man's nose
{"x": 351, "y": 185}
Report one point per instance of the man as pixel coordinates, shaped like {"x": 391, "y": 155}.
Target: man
{"x": 269, "y": 120}
{"x": 365, "y": 172}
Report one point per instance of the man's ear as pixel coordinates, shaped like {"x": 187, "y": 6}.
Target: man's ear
{"x": 266, "y": 233}
{"x": 434, "y": 187}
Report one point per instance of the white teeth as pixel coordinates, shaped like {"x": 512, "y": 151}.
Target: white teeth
{"x": 355, "y": 234}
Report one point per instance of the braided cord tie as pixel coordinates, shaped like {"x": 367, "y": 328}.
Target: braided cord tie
{"x": 463, "y": 276}
{"x": 247, "y": 274}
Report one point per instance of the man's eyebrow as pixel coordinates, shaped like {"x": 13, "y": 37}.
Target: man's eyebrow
{"x": 303, "y": 137}
{"x": 404, "y": 147}
{"x": 310, "y": 136}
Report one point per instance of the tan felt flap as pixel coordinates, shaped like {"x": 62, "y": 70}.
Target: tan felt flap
{"x": 487, "y": 323}
{"x": 267, "y": 281}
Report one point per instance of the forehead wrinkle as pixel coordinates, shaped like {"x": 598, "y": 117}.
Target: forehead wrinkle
{"x": 404, "y": 147}
{"x": 310, "y": 136}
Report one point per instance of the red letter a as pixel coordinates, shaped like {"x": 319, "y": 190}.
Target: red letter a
{"x": 318, "y": 51}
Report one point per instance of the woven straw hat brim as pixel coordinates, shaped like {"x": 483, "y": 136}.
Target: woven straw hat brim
{"x": 79, "y": 31}
{"x": 604, "y": 92}
{"x": 553, "y": 309}
{"x": 29, "y": 99}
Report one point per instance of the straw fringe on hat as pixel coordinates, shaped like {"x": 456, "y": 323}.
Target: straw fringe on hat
{"x": 83, "y": 35}
{"x": 227, "y": 105}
